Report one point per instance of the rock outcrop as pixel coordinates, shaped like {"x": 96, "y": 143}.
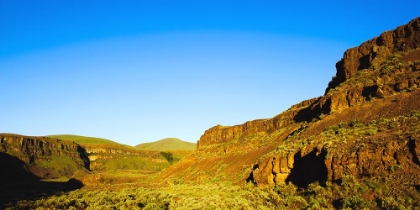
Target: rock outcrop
{"x": 48, "y": 157}
{"x": 369, "y": 79}
{"x": 376, "y": 50}
{"x": 219, "y": 134}
{"x": 112, "y": 157}
{"x": 38, "y": 153}
{"x": 367, "y": 156}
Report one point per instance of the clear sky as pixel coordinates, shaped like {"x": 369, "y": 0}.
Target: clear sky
{"x": 137, "y": 72}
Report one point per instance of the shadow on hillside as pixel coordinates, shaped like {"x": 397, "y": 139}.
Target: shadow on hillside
{"x": 308, "y": 169}
{"x": 18, "y": 183}
{"x": 311, "y": 112}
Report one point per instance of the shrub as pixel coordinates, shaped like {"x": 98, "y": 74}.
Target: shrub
{"x": 387, "y": 69}
{"x": 390, "y": 203}
{"x": 394, "y": 168}
{"x": 343, "y": 125}
{"x": 168, "y": 156}
{"x": 332, "y": 128}
{"x": 357, "y": 123}
{"x": 355, "y": 202}
{"x": 415, "y": 113}
{"x": 297, "y": 202}
{"x": 371, "y": 131}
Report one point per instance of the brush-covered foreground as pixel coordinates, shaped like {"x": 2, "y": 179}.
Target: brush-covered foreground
{"x": 82, "y": 139}
{"x": 135, "y": 190}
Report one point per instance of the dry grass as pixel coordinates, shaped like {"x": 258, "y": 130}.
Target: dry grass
{"x": 129, "y": 190}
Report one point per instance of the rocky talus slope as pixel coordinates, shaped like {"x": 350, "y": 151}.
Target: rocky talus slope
{"x": 43, "y": 156}
{"x": 367, "y": 124}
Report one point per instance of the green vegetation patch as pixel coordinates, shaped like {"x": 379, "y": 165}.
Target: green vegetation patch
{"x": 168, "y": 144}
{"x": 126, "y": 162}
{"x": 61, "y": 165}
{"x": 83, "y": 139}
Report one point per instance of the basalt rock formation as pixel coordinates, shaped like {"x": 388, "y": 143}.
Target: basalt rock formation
{"x": 367, "y": 124}
{"x": 376, "y": 50}
{"x": 108, "y": 155}
{"x": 49, "y": 157}
{"x": 105, "y": 157}
{"x": 43, "y": 156}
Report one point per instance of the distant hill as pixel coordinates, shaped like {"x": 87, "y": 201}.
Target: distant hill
{"x": 83, "y": 139}
{"x": 168, "y": 144}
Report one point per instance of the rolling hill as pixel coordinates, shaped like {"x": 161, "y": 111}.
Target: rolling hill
{"x": 82, "y": 139}
{"x": 168, "y": 144}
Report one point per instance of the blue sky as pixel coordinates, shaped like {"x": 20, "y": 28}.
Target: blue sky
{"x": 139, "y": 72}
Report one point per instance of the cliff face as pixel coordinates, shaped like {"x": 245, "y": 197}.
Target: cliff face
{"x": 220, "y": 134}
{"x": 376, "y": 50}
{"x": 40, "y": 154}
{"x": 105, "y": 157}
{"x": 48, "y": 157}
{"x": 365, "y": 125}
{"x": 390, "y": 146}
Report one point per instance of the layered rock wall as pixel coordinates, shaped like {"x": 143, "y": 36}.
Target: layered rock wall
{"x": 364, "y": 158}
{"x": 125, "y": 157}
{"x": 403, "y": 38}
{"x": 33, "y": 150}
{"x": 219, "y": 134}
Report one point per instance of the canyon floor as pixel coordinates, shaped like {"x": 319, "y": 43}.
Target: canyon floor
{"x": 137, "y": 190}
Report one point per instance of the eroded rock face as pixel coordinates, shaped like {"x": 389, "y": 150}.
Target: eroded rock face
{"x": 32, "y": 150}
{"x": 219, "y": 134}
{"x": 52, "y": 158}
{"x": 367, "y": 157}
{"x": 371, "y": 71}
{"x": 101, "y": 155}
{"x": 376, "y": 50}
{"x": 113, "y": 156}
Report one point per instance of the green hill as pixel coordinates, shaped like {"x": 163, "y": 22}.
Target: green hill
{"x": 168, "y": 144}
{"x": 82, "y": 139}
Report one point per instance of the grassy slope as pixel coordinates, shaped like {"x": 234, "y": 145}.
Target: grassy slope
{"x": 83, "y": 139}
{"x": 168, "y": 144}
{"x": 86, "y": 141}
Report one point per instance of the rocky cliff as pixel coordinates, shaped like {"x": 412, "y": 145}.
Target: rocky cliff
{"x": 376, "y": 50}
{"x": 45, "y": 157}
{"x": 105, "y": 157}
{"x": 366, "y": 125}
